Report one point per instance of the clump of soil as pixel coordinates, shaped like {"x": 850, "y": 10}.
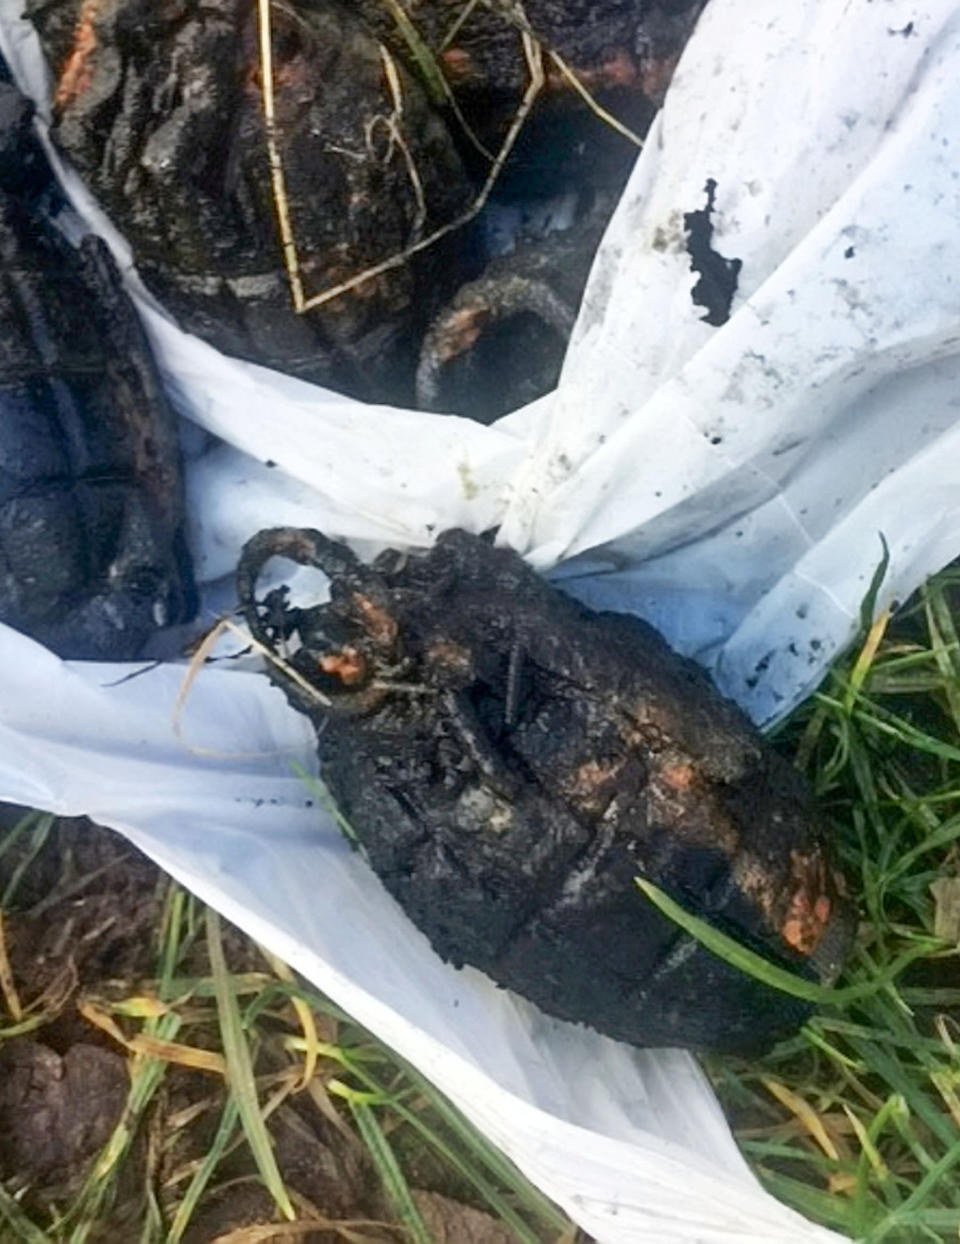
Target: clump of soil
{"x": 56, "y": 1113}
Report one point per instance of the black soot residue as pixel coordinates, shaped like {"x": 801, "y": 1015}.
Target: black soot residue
{"x": 718, "y": 276}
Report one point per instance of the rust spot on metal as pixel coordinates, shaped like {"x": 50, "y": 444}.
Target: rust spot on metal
{"x": 809, "y": 907}
{"x": 680, "y": 801}
{"x": 678, "y": 777}
{"x": 458, "y": 65}
{"x": 510, "y": 825}
{"x": 594, "y": 784}
{"x": 348, "y": 665}
{"x": 379, "y": 625}
{"x": 76, "y": 75}
{"x": 619, "y": 70}
{"x": 593, "y": 774}
{"x": 459, "y": 332}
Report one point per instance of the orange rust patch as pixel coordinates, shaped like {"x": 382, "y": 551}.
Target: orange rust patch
{"x": 459, "y": 332}
{"x": 677, "y": 777}
{"x": 295, "y": 74}
{"x": 804, "y": 925}
{"x": 333, "y": 265}
{"x": 348, "y": 665}
{"x": 592, "y": 785}
{"x": 374, "y": 287}
{"x": 292, "y": 71}
{"x": 458, "y": 64}
{"x": 76, "y": 75}
{"x": 679, "y": 800}
{"x": 380, "y": 626}
{"x": 592, "y": 775}
{"x": 251, "y": 82}
{"x": 619, "y": 71}
{"x": 793, "y": 933}
{"x": 806, "y": 916}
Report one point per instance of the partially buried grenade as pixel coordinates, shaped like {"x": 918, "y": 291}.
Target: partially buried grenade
{"x": 93, "y": 557}
{"x": 511, "y": 762}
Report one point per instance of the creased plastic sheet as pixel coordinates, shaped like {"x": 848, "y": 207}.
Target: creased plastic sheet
{"x": 732, "y": 482}
{"x": 727, "y": 481}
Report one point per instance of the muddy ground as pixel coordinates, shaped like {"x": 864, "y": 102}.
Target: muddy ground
{"x": 82, "y": 914}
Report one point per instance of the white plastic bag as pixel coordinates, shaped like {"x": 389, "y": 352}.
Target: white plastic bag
{"x": 729, "y": 483}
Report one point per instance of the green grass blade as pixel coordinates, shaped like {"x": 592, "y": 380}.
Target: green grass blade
{"x": 170, "y": 931}
{"x": 147, "y": 1074}
{"x": 18, "y": 1222}
{"x": 932, "y": 1180}
{"x": 815, "y": 1203}
{"x": 19, "y": 827}
{"x": 384, "y": 1159}
{"x": 496, "y": 1162}
{"x": 240, "y": 1076}
{"x": 89, "y": 1207}
{"x": 40, "y": 833}
{"x": 868, "y": 605}
{"x": 318, "y": 788}
{"x": 946, "y": 649}
{"x": 421, "y": 55}
{"x": 892, "y": 1107}
{"x": 476, "y": 1147}
{"x": 152, "y": 1231}
{"x": 204, "y": 1172}
{"x": 480, "y": 1151}
{"x": 899, "y": 730}
{"x": 752, "y": 964}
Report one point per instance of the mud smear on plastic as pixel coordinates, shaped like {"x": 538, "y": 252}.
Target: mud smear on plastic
{"x": 718, "y": 275}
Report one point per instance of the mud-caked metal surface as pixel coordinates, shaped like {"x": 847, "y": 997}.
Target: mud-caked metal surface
{"x": 161, "y": 108}
{"x": 615, "y": 56}
{"x": 92, "y": 552}
{"x": 511, "y": 762}
{"x": 500, "y": 341}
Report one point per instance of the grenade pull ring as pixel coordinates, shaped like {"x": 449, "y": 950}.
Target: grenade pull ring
{"x": 344, "y": 644}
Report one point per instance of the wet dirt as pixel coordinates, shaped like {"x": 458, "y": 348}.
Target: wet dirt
{"x": 510, "y": 762}
{"x": 717, "y": 276}
{"x": 449, "y": 1222}
{"x": 56, "y": 1112}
